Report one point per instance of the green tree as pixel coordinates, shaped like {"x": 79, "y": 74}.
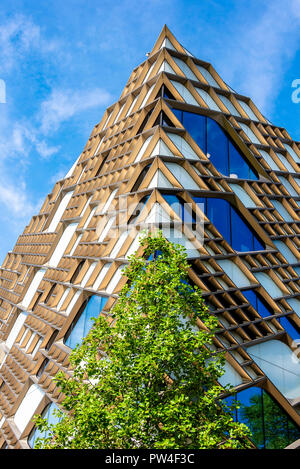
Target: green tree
{"x": 145, "y": 376}
{"x": 269, "y": 424}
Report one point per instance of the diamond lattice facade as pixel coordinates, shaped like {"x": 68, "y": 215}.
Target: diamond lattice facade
{"x": 178, "y": 136}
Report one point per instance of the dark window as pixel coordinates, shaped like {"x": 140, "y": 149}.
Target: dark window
{"x": 137, "y": 211}
{"x": 50, "y": 293}
{"x": 167, "y": 93}
{"x": 42, "y": 367}
{"x": 77, "y": 270}
{"x": 230, "y": 224}
{"x": 216, "y": 144}
{"x": 52, "y": 339}
{"x": 140, "y": 179}
{"x": 257, "y": 302}
{"x": 162, "y": 119}
{"x": 270, "y": 426}
{"x": 101, "y": 166}
{"x": 143, "y": 125}
{"x": 37, "y": 301}
{"x": 290, "y": 327}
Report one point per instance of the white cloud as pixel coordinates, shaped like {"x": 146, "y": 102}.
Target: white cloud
{"x": 24, "y": 138}
{"x": 20, "y": 138}
{"x": 63, "y": 104}
{"x": 263, "y": 49}
{"x": 44, "y": 150}
{"x": 19, "y": 36}
{"x": 15, "y": 199}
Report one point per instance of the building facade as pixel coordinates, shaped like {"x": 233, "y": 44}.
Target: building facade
{"x": 178, "y": 145}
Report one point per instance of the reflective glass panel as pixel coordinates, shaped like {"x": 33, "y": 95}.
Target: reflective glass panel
{"x": 181, "y": 208}
{"x": 251, "y": 413}
{"x": 195, "y": 124}
{"x": 83, "y": 323}
{"x": 48, "y": 414}
{"x": 289, "y": 326}
{"x": 230, "y": 224}
{"x": 279, "y": 429}
{"x": 213, "y": 141}
{"x": 218, "y": 211}
{"x": 217, "y": 147}
{"x": 242, "y": 237}
{"x": 257, "y": 304}
{"x": 270, "y": 426}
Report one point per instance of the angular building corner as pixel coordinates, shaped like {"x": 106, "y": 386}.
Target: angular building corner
{"x": 178, "y": 135}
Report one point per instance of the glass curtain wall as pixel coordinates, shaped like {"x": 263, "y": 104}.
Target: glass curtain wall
{"x": 218, "y": 146}
{"x": 270, "y": 426}
{"x": 264, "y": 311}
{"x": 83, "y": 321}
{"x": 225, "y": 218}
{"x": 48, "y": 414}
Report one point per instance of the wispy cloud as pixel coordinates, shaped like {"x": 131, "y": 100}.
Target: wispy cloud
{"x": 262, "y": 49}
{"x": 30, "y": 135}
{"x": 14, "y": 198}
{"x": 58, "y": 108}
{"x": 18, "y": 36}
{"x": 63, "y": 104}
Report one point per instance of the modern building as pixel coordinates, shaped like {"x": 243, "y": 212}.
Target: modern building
{"x": 178, "y": 135}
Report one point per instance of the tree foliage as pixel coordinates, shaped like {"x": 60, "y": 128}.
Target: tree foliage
{"x": 145, "y": 376}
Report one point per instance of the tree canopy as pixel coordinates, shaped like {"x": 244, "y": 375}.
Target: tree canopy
{"x": 146, "y": 375}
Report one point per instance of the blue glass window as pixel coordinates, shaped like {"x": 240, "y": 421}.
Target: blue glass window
{"x": 214, "y": 141}
{"x": 238, "y": 165}
{"x": 279, "y": 430}
{"x": 297, "y": 270}
{"x": 230, "y": 224}
{"x": 195, "y": 124}
{"x": 257, "y": 303}
{"x": 218, "y": 211}
{"x": 178, "y": 114}
{"x": 217, "y": 147}
{"x": 251, "y": 413}
{"x": 289, "y": 326}
{"x": 242, "y": 238}
{"x": 48, "y": 414}
{"x": 270, "y": 426}
{"x": 180, "y": 207}
{"x": 83, "y": 321}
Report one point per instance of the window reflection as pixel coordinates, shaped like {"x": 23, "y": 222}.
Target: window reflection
{"x": 83, "y": 321}
{"x": 290, "y": 327}
{"x": 214, "y": 142}
{"x": 257, "y": 303}
{"x": 270, "y": 426}
{"x": 230, "y": 224}
{"x": 223, "y": 216}
{"x": 48, "y": 414}
{"x": 181, "y": 208}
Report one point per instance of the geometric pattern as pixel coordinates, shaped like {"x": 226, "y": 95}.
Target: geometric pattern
{"x": 177, "y": 135}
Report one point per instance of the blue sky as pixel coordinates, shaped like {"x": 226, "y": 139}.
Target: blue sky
{"x": 64, "y": 62}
